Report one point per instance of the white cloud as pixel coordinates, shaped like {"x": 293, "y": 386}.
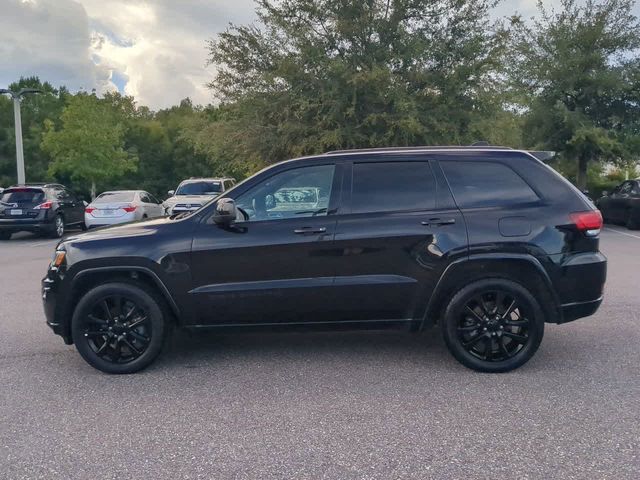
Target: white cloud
{"x": 154, "y": 50}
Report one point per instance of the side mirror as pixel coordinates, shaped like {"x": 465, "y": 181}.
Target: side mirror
{"x": 605, "y": 193}
{"x": 171, "y": 193}
{"x": 225, "y": 212}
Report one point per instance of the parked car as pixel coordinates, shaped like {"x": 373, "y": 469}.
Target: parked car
{"x": 121, "y": 206}
{"x": 191, "y": 194}
{"x": 46, "y": 208}
{"x": 488, "y": 243}
{"x": 622, "y": 205}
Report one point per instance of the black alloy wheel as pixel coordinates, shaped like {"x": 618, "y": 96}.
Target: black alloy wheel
{"x": 119, "y": 327}
{"x": 493, "y": 325}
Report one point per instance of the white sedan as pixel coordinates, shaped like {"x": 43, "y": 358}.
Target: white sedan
{"x": 111, "y": 208}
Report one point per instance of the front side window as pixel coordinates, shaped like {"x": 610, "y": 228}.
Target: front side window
{"x": 626, "y": 188}
{"x": 486, "y": 184}
{"x": 300, "y": 192}
{"x": 392, "y": 186}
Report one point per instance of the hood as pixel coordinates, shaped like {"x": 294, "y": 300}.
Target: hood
{"x": 191, "y": 199}
{"x": 123, "y": 230}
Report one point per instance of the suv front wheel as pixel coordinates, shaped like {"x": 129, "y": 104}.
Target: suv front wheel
{"x": 493, "y": 325}
{"x": 120, "y": 327}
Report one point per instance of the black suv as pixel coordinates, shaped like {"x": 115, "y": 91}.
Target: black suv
{"x": 46, "y": 208}
{"x": 489, "y": 243}
{"x": 622, "y": 205}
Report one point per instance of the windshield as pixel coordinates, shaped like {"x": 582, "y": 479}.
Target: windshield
{"x": 108, "y": 197}
{"x": 22, "y": 195}
{"x": 199, "y": 188}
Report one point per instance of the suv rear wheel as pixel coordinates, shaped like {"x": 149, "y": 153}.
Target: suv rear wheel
{"x": 120, "y": 327}
{"x": 493, "y": 325}
{"x": 58, "y": 227}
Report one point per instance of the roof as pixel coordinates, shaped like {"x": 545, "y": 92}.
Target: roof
{"x": 419, "y": 148}
{"x": 35, "y": 185}
{"x": 206, "y": 179}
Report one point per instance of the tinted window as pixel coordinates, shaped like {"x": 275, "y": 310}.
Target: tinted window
{"x": 301, "y": 192}
{"x": 144, "y": 197}
{"x": 626, "y": 188}
{"x": 392, "y": 186}
{"x": 636, "y": 188}
{"x": 199, "y": 188}
{"x": 22, "y": 195}
{"x": 108, "y": 197}
{"x": 482, "y": 184}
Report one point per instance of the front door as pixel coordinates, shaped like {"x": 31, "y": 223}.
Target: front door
{"x": 395, "y": 241}
{"x": 276, "y": 265}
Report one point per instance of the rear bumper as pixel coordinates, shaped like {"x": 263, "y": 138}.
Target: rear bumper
{"x": 574, "y": 311}
{"x": 25, "y": 225}
{"x": 580, "y": 285}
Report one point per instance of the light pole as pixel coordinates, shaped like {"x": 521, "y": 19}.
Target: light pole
{"x": 18, "y": 126}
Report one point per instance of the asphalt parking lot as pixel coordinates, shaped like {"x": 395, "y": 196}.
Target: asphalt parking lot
{"x": 321, "y": 405}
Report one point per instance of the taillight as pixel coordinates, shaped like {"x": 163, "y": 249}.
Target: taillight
{"x": 89, "y": 209}
{"x": 44, "y": 206}
{"x": 589, "y": 222}
{"x": 129, "y": 209}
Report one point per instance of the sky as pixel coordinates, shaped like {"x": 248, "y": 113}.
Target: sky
{"x": 154, "y": 50}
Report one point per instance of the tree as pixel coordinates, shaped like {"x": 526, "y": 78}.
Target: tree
{"x": 323, "y": 74}
{"x": 573, "y": 68}
{"x": 90, "y": 145}
{"x": 35, "y": 110}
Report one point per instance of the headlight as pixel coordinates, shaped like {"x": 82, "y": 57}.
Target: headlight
{"x": 58, "y": 258}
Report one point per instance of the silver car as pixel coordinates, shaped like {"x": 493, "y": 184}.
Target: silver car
{"x": 121, "y": 206}
{"x": 191, "y": 194}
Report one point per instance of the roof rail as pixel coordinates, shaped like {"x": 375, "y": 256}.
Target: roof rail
{"x": 409, "y": 149}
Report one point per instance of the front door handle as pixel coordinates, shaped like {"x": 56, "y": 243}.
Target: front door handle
{"x": 302, "y": 231}
{"x": 436, "y": 222}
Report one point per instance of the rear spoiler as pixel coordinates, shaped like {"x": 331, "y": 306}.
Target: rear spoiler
{"x": 542, "y": 155}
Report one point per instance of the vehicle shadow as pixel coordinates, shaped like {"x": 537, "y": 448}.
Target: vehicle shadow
{"x": 199, "y": 349}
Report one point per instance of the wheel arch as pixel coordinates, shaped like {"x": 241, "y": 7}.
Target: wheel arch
{"x": 89, "y": 278}
{"x": 523, "y": 269}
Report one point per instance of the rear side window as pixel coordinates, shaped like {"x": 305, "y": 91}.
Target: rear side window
{"x": 486, "y": 184}
{"x": 392, "y": 186}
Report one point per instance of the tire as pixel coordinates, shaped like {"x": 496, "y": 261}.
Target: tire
{"x": 5, "y": 235}
{"x": 59, "y": 227}
{"x": 478, "y": 316}
{"x": 631, "y": 223}
{"x": 106, "y": 339}
{"x": 83, "y": 227}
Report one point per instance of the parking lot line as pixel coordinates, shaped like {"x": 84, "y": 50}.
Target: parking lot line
{"x": 622, "y": 233}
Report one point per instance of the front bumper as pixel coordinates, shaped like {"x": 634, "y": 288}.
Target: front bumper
{"x": 50, "y": 303}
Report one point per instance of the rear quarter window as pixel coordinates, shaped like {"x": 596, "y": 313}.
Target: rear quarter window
{"x": 486, "y": 184}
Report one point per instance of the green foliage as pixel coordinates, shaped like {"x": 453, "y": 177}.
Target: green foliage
{"x": 328, "y": 74}
{"x": 90, "y": 145}
{"x": 572, "y": 68}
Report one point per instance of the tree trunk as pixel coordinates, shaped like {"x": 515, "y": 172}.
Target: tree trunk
{"x": 93, "y": 190}
{"x": 581, "y": 177}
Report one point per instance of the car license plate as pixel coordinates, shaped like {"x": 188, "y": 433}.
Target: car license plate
{"x": 109, "y": 212}
{"x": 16, "y": 211}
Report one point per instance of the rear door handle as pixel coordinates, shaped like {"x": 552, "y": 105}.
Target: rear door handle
{"x": 436, "y": 222}
{"x": 302, "y": 231}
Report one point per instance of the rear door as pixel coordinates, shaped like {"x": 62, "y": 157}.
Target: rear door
{"x": 396, "y": 239}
